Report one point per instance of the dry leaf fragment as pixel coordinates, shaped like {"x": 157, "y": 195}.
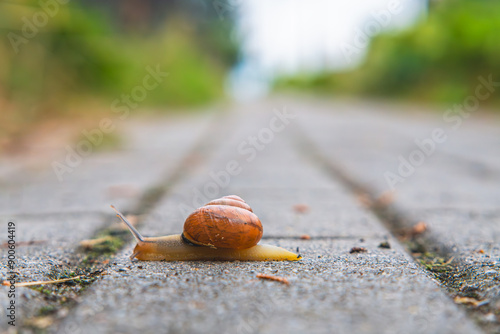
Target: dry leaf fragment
{"x": 301, "y": 208}
{"x": 365, "y": 200}
{"x": 41, "y": 282}
{"x": 386, "y": 198}
{"x": 91, "y": 243}
{"x": 40, "y": 322}
{"x": 469, "y": 301}
{"x": 413, "y": 231}
{"x": 419, "y": 228}
{"x": 274, "y": 278}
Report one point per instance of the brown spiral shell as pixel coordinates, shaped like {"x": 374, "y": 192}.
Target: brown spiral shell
{"x": 227, "y": 222}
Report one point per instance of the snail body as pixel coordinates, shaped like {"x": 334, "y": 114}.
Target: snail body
{"x": 225, "y": 229}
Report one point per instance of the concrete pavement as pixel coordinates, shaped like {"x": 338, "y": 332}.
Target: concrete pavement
{"x": 331, "y": 290}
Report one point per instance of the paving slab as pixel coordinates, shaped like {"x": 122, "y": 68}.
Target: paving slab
{"x": 119, "y": 175}
{"x": 52, "y": 217}
{"x": 331, "y": 290}
{"x": 455, "y": 190}
{"x": 381, "y": 291}
{"x": 46, "y": 246}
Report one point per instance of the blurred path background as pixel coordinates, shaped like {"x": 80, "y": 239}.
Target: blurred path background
{"x": 364, "y": 135}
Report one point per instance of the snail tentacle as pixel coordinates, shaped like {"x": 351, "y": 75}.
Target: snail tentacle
{"x": 138, "y": 237}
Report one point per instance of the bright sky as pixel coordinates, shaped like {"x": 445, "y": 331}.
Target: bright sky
{"x": 290, "y": 36}
{"x": 287, "y": 35}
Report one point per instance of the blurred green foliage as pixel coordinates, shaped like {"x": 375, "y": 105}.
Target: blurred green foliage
{"x": 71, "y": 59}
{"x": 438, "y": 60}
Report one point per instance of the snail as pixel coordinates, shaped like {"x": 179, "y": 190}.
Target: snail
{"x": 224, "y": 229}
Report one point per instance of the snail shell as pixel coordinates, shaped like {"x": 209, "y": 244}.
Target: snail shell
{"x": 226, "y": 222}
{"x": 232, "y": 200}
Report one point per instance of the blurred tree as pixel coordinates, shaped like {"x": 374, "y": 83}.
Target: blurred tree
{"x": 58, "y": 59}
{"x": 438, "y": 60}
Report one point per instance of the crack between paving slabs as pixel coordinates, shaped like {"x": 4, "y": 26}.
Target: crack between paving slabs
{"x": 437, "y": 259}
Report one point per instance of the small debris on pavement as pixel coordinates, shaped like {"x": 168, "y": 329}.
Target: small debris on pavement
{"x": 274, "y": 278}
{"x": 91, "y": 243}
{"x": 40, "y": 322}
{"x": 419, "y": 228}
{"x": 41, "y": 282}
{"x": 305, "y": 237}
{"x": 358, "y": 250}
{"x": 301, "y": 208}
{"x": 384, "y": 244}
{"x": 470, "y": 301}
{"x": 386, "y": 198}
{"x": 365, "y": 200}
{"x": 413, "y": 231}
